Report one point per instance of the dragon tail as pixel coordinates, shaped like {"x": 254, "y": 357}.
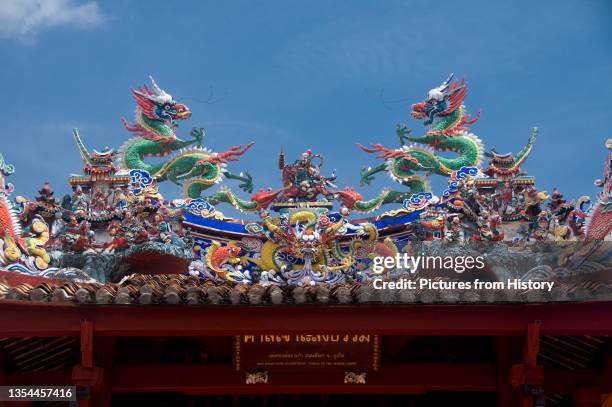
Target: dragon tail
{"x": 225, "y": 195}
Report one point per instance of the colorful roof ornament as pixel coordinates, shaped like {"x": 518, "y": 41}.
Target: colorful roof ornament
{"x": 116, "y": 221}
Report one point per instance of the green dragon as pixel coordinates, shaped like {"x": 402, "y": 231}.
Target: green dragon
{"x": 191, "y": 166}
{"x": 443, "y": 111}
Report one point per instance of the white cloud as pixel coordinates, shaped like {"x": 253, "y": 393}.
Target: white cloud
{"x": 25, "y": 19}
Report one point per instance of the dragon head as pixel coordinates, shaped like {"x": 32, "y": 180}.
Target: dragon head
{"x": 348, "y": 196}
{"x": 264, "y": 198}
{"x": 440, "y": 101}
{"x": 158, "y": 105}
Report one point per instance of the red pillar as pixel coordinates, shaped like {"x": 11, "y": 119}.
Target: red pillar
{"x": 86, "y": 375}
{"x": 528, "y": 378}
{"x": 506, "y": 354}
{"x": 105, "y": 352}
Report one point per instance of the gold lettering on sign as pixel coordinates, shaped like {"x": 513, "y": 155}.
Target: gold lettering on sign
{"x": 355, "y": 352}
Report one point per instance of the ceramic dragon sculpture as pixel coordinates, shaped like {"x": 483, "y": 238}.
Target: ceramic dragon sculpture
{"x": 15, "y": 240}
{"x": 189, "y": 165}
{"x": 301, "y": 245}
{"x": 599, "y": 221}
{"x": 445, "y": 115}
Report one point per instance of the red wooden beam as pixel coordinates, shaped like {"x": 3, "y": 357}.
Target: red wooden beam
{"x": 25, "y": 318}
{"x": 397, "y": 378}
{"x": 414, "y": 378}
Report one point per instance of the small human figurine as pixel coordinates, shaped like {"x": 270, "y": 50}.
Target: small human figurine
{"x": 99, "y": 202}
{"x": 506, "y": 194}
{"x": 118, "y": 241}
{"x": 541, "y": 226}
{"x": 119, "y": 198}
{"x": 556, "y": 200}
{"x": 455, "y": 230}
{"x": 303, "y": 181}
{"x": 494, "y": 223}
{"x": 484, "y": 226}
{"x": 80, "y": 202}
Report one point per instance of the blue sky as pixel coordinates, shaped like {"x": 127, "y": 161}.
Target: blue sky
{"x": 308, "y": 74}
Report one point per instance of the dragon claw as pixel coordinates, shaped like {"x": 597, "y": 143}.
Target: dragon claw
{"x": 198, "y": 135}
{"x": 366, "y": 177}
{"x": 402, "y": 130}
{"x": 247, "y": 185}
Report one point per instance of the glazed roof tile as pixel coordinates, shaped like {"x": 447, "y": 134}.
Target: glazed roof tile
{"x": 172, "y": 289}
